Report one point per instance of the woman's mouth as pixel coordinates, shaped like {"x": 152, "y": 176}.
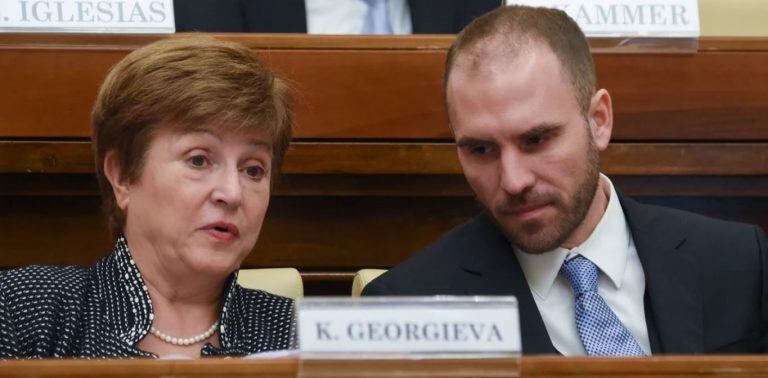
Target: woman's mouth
{"x": 222, "y": 230}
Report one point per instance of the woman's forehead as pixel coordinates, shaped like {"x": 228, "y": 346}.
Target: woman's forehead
{"x": 224, "y": 130}
{"x": 252, "y": 136}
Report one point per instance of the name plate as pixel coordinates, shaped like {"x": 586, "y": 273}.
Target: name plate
{"x": 629, "y": 18}
{"x": 394, "y": 327}
{"x": 87, "y": 16}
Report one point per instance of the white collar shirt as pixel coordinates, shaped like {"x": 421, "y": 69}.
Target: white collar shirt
{"x": 621, "y": 282}
{"x": 348, "y": 16}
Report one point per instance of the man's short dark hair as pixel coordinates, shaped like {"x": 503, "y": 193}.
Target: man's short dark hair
{"x": 506, "y": 30}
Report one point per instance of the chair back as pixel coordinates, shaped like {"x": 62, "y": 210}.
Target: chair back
{"x": 285, "y": 282}
{"x": 364, "y": 277}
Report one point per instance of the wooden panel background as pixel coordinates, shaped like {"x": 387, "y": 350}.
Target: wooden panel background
{"x": 388, "y": 87}
{"x": 373, "y": 175}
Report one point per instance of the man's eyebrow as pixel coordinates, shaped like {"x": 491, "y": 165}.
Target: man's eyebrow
{"x": 469, "y": 141}
{"x": 541, "y": 129}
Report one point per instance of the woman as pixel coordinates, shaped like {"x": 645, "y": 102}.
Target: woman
{"x": 188, "y": 135}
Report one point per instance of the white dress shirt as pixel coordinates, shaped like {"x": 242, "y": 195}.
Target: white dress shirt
{"x": 621, "y": 282}
{"x": 347, "y": 16}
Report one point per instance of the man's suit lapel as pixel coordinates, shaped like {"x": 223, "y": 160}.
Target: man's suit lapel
{"x": 672, "y": 286}
{"x": 494, "y": 270}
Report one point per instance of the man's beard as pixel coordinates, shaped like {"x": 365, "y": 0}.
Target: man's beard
{"x": 538, "y": 236}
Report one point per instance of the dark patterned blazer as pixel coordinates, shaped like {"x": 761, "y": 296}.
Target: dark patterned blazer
{"x": 103, "y": 311}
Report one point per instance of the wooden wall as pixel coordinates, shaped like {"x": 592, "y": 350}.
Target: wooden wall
{"x": 372, "y": 176}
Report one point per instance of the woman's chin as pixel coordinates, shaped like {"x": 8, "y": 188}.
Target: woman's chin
{"x": 211, "y": 267}
{"x": 202, "y": 257}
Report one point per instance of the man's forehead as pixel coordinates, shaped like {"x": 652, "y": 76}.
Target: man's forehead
{"x": 527, "y": 92}
{"x": 535, "y": 69}
{"x": 487, "y": 53}
{"x": 494, "y": 58}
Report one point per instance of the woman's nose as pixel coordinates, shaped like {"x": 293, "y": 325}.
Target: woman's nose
{"x": 227, "y": 188}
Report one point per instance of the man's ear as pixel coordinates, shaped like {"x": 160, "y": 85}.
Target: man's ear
{"x": 600, "y": 118}
{"x": 115, "y": 177}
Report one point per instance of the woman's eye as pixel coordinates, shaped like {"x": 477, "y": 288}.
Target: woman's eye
{"x": 255, "y": 172}
{"x": 198, "y": 161}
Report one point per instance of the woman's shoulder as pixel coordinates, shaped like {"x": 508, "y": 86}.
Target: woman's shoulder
{"x": 265, "y": 302}
{"x": 38, "y": 304}
{"x": 37, "y": 278}
{"x": 259, "y": 321}
{"x": 42, "y": 286}
{"x": 268, "y": 310}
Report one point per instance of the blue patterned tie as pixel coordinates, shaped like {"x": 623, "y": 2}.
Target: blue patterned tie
{"x": 377, "y": 17}
{"x": 601, "y": 332}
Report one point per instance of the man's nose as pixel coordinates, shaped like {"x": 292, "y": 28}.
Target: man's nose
{"x": 227, "y": 188}
{"x": 516, "y": 175}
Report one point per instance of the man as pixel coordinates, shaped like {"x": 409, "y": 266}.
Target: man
{"x": 327, "y": 16}
{"x": 594, "y": 272}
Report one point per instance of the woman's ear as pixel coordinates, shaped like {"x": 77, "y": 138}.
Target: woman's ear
{"x": 115, "y": 177}
{"x": 601, "y": 118}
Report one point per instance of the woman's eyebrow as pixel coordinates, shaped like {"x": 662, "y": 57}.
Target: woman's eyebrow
{"x": 202, "y": 130}
{"x": 260, "y": 143}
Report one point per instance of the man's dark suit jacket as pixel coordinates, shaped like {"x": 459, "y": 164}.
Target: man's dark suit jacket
{"x": 289, "y": 16}
{"x": 706, "y": 279}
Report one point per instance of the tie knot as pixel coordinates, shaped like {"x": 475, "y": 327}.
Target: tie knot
{"x": 581, "y": 273}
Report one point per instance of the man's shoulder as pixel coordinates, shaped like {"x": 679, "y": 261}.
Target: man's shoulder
{"x": 453, "y": 245}
{"x": 690, "y": 222}
{"x": 434, "y": 269}
{"x": 715, "y": 242}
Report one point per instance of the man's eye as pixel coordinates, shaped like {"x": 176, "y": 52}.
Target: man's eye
{"x": 198, "y": 161}
{"x": 478, "y": 150}
{"x": 255, "y": 172}
{"x": 536, "y": 140}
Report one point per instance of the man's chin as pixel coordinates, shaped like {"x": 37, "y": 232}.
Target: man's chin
{"x": 532, "y": 236}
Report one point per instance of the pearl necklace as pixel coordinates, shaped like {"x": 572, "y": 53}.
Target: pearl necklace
{"x": 184, "y": 341}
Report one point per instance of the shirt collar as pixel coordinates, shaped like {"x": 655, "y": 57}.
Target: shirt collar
{"x": 607, "y": 247}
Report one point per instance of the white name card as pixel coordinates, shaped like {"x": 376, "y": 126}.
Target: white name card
{"x": 87, "y": 16}
{"x": 388, "y": 327}
{"x": 629, "y": 18}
